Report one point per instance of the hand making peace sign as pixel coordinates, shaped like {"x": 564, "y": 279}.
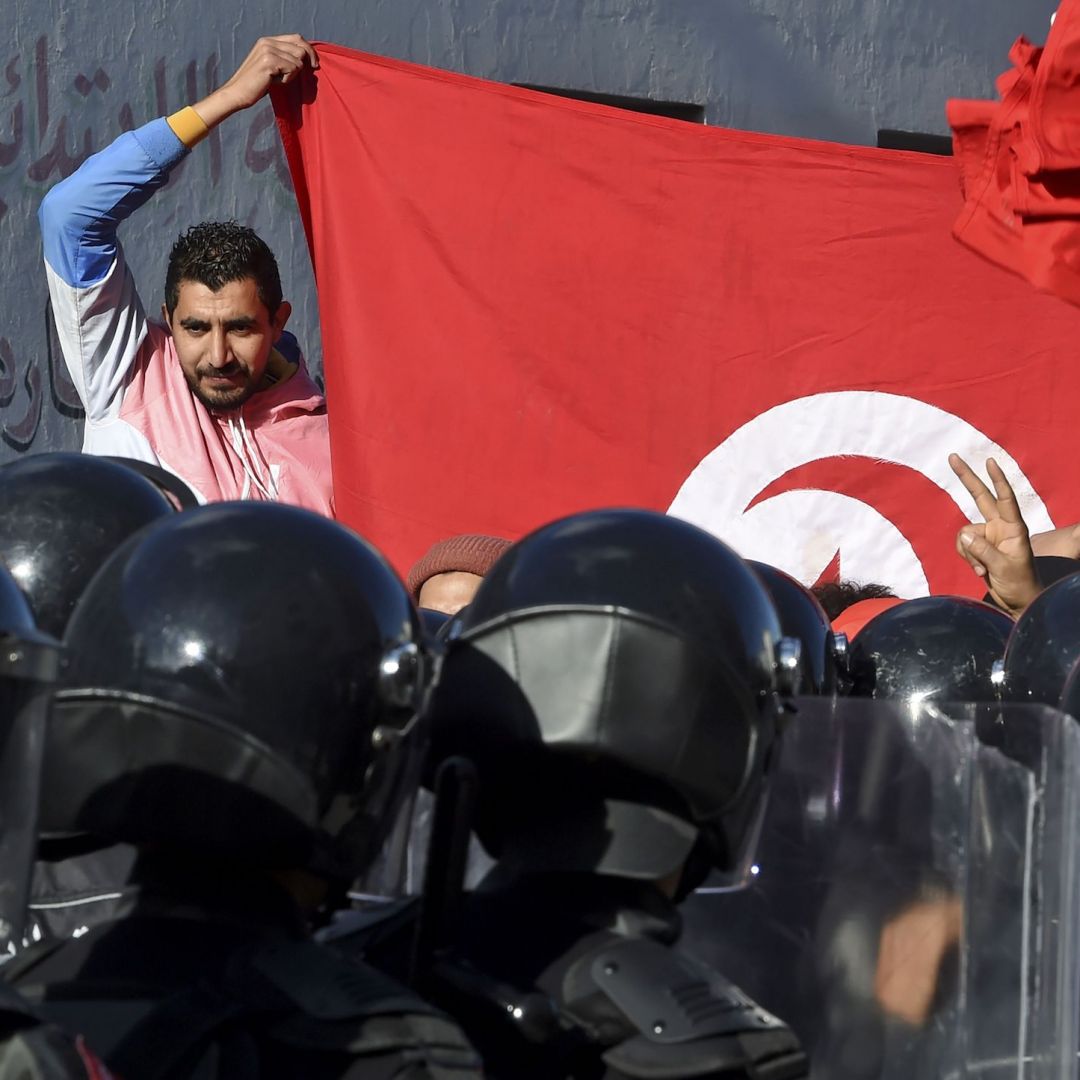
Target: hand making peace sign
{"x": 998, "y": 550}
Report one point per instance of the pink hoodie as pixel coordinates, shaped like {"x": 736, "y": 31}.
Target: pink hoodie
{"x": 275, "y": 446}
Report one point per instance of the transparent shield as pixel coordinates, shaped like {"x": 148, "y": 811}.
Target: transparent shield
{"x": 913, "y": 909}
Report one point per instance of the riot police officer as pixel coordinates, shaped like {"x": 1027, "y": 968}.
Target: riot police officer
{"x": 244, "y": 703}
{"x": 61, "y": 516}
{"x": 29, "y": 664}
{"x": 934, "y": 654}
{"x": 30, "y": 1048}
{"x": 614, "y": 683}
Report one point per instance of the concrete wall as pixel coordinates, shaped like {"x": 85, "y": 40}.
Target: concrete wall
{"x": 74, "y": 74}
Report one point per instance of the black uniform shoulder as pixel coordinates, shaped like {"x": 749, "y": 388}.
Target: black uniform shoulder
{"x": 277, "y": 1010}
{"x": 344, "y": 1006}
{"x": 73, "y": 889}
{"x": 682, "y": 1018}
{"x": 620, "y": 1008}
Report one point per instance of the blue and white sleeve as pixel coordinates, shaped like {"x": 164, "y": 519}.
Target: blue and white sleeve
{"x": 99, "y": 317}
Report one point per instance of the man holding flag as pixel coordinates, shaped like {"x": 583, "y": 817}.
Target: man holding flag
{"x": 210, "y": 393}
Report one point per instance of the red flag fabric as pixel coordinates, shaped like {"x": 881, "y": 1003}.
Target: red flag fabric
{"x": 533, "y": 305}
{"x": 1020, "y": 163}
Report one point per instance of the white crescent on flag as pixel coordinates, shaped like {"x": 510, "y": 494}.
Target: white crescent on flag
{"x": 718, "y": 494}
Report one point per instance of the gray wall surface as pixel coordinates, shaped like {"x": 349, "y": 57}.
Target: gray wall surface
{"x": 74, "y": 74}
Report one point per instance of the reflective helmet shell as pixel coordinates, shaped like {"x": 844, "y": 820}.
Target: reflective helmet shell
{"x": 802, "y": 617}
{"x": 623, "y": 654}
{"x": 61, "y": 517}
{"x": 1044, "y": 645}
{"x": 243, "y": 647}
{"x": 936, "y": 648}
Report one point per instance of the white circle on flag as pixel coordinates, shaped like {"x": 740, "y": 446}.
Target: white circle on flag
{"x": 801, "y": 531}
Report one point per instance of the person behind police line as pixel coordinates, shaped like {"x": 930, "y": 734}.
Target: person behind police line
{"x": 614, "y": 684}
{"x": 209, "y": 393}
{"x": 446, "y": 577}
{"x": 257, "y": 754}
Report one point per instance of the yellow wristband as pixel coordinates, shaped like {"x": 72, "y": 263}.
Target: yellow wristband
{"x": 188, "y": 126}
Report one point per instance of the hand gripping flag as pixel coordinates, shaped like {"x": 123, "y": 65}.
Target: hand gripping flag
{"x": 533, "y": 305}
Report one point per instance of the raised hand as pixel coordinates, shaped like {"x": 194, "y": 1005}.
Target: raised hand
{"x": 999, "y": 550}
{"x": 272, "y": 60}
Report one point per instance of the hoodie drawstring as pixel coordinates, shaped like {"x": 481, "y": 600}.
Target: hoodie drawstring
{"x": 247, "y": 450}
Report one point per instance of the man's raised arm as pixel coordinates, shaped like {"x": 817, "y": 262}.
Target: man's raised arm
{"x": 272, "y": 60}
{"x": 99, "y": 318}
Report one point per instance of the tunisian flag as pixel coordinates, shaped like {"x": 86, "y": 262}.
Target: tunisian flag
{"x": 533, "y": 305}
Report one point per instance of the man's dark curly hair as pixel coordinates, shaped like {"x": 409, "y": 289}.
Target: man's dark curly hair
{"x": 217, "y": 252}
{"x": 837, "y": 596}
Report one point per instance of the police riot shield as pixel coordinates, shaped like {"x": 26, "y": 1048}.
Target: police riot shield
{"x": 914, "y": 903}
{"x": 28, "y": 667}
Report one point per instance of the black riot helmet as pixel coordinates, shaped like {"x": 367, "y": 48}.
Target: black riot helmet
{"x": 61, "y": 517}
{"x": 615, "y": 681}
{"x": 1044, "y": 645}
{"x": 246, "y": 680}
{"x": 29, "y": 665}
{"x": 823, "y": 657}
{"x": 935, "y": 648}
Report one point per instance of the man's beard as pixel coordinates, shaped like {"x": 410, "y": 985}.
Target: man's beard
{"x": 225, "y": 400}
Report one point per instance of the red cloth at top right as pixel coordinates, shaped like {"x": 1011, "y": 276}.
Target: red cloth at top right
{"x": 1020, "y": 163}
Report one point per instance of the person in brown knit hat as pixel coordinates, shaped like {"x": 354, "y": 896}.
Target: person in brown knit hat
{"x": 447, "y": 577}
